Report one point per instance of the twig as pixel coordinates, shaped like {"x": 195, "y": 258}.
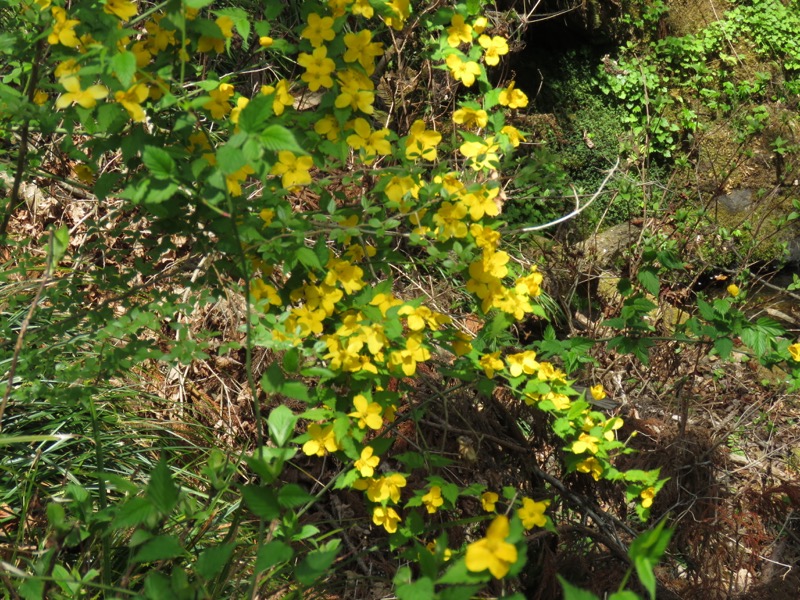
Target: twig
{"x": 575, "y": 212}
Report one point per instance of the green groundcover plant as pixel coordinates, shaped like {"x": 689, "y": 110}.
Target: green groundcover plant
{"x": 205, "y": 153}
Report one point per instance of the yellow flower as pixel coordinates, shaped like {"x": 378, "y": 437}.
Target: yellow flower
{"x": 532, "y": 513}
{"x": 463, "y": 71}
{"x": 647, "y": 495}
{"x": 363, "y": 8}
{"x": 371, "y": 142}
{"x": 219, "y": 104}
{"x": 382, "y": 489}
{"x": 158, "y": 39}
{"x": 355, "y": 91}
{"x": 488, "y": 501}
{"x": 67, "y": 67}
{"x": 386, "y": 516}
{"x": 367, "y": 463}
{"x": 471, "y": 117}
{"x": 482, "y": 202}
{"x": 482, "y": 155}
{"x": 449, "y": 220}
{"x": 421, "y": 142}
{"x": 208, "y": 43}
{"x": 492, "y": 552}
{"x": 401, "y": 10}
{"x": 514, "y": 135}
{"x": 462, "y": 345}
{"x": 322, "y": 440}
{"x": 585, "y": 443}
{"x": 459, "y": 31}
{"x": 480, "y": 25}
{"x": 368, "y": 413}
{"x": 794, "y": 351}
{"x": 132, "y": 100}
{"x": 361, "y": 48}
{"x": 122, "y": 9}
{"x": 241, "y": 103}
{"x": 513, "y": 98}
{"x": 495, "y": 47}
{"x": 407, "y": 359}
{"x": 345, "y": 273}
{"x": 259, "y": 290}
{"x": 318, "y": 68}
{"x": 491, "y": 363}
{"x": 294, "y": 170}
{"x": 40, "y": 97}
{"x": 591, "y": 465}
{"x": 282, "y": 96}
{"x": 433, "y": 499}
{"x": 233, "y": 181}
{"x": 265, "y": 41}
{"x": 523, "y": 362}
{"x": 84, "y": 173}
{"x": 63, "y": 29}
{"x": 733, "y": 290}
{"x": 318, "y": 30}
{"x": 75, "y": 95}
{"x": 328, "y": 126}
{"x": 597, "y": 391}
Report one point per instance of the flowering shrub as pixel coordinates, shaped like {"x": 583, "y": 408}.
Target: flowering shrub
{"x": 204, "y": 152}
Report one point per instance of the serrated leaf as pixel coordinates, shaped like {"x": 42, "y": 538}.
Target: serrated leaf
{"x": 123, "y": 64}
{"x": 292, "y": 495}
{"x": 261, "y": 501}
{"x": 212, "y": 560}
{"x": 161, "y": 489}
{"x": 134, "y": 512}
{"x": 281, "y": 422}
{"x": 723, "y": 346}
{"x": 316, "y": 563}
{"x": 162, "y": 547}
{"x": 271, "y": 554}
{"x": 422, "y": 589}
{"x": 158, "y": 162}
{"x": 649, "y": 280}
{"x": 277, "y": 138}
{"x": 574, "y": 593}
{"x": 230, "y": 159}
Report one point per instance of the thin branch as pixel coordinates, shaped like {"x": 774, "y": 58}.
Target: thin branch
{"x": 575, "y": 212}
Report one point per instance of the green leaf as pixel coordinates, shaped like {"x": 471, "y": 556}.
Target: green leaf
{"x": 271, "y": 554}
{"x": 574, "y": 593}
{"x": 254, "y": 116}
{"x": 308, "y": 258}
{"x": 161, "y": 489}
{"x": 644, "y": 569}
{"x": 261, "y": 500}
{"x": 277, "y": 138}
{"x": 60, "y": 243}
{"x": 281, "y": 422}
{"x": 723, "y": 346}
{"x": 230, "y": 159}
{"x": 123, "y": 65}
{"x": 158, "y": 162}
{"x": 134, "y": 512}
{"x": 317, "y": 563}
{"x": 624, "y": 595}
{"x": 422, "y": 589}
{"x": 292, "y": 495}
{"x": 212, "y": 560}
{"x": 648, "y": 277}
{"x": 163, "y": 547}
